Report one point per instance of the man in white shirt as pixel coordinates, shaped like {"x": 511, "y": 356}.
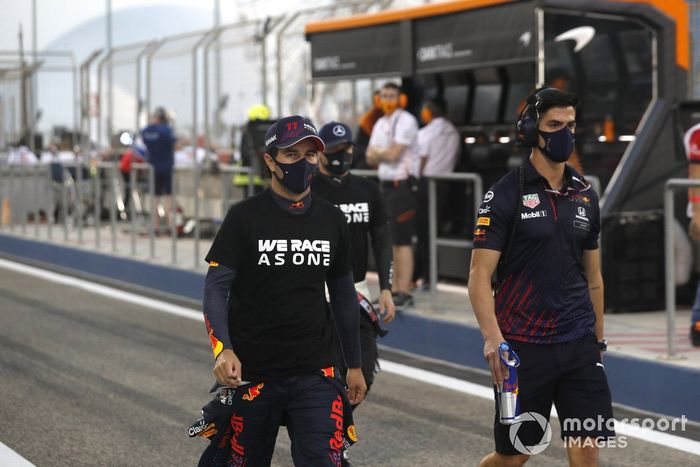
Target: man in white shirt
{"x": 439, "y": 146}
{"x": 393, "y": 147}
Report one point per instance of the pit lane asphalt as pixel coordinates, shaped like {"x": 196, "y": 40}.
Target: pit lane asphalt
{"x": 89, "y": 380}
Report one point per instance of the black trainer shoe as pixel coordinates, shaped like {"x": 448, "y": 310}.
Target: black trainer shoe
{"x": 695, "y": 334}
{"x": 402, "y": 299}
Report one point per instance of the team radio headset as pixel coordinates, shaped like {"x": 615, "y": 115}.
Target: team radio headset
{"x": 526, "y": 131}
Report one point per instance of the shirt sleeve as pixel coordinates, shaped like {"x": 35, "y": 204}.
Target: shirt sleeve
{"x": 381, "y": 239}
{"x": 228, "y": 246}
{"x": 591, "y": 242}
{"x": 423, "y": 146}
{"x": 215, "y": 306}
{"x": 342, "y": 262}
{"x": 406, "y": 129}
{"x": 494, "y": 218}
{"x": 374, "y": 137}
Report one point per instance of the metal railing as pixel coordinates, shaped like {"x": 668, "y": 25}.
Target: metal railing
{"x": 670, "y": 261}
{"x": 434, "y": 241}
{"x": 77, "y": 195}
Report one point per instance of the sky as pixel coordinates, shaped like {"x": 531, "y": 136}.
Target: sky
{"x": 56, "y": 17}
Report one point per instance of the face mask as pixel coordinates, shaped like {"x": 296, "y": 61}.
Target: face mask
{"x": 297, "y": 176}
{"x": 426, "y": 115}
{"x": 338, "y": 162}
{"x": 388, "y": 107}
{"x": 558, "y": 145}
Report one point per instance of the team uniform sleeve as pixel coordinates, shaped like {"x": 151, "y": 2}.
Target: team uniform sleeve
{"x": 346, "y": 317}
{"x": 228, "y": 246}
{"x": 215, "y": 306}
{"x": 381, "y": 239}
{"x": 493, "y": 220}
{"x": 342, "y": 262}
{"x": 406, "y": 130}
{"x": 591, "y": 242}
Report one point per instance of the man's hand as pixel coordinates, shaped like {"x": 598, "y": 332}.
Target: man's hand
{"x": 386, "y": 306}
{"x": 492, "y": 356}
{"x": 357, "y": 388}
{"x": 228, "y": 368}
{"x": 694, "y": 229}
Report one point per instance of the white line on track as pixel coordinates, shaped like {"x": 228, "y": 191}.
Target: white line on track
{"x": 429, "y": 377}
{"x": 9, "y": 458}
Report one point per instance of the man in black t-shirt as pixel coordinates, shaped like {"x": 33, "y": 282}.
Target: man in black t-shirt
{"x": 360, "y": 201}
{"x": 267, "y": 316}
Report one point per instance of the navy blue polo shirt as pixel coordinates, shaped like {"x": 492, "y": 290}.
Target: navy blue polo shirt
{"x": 544, "y": 297}
{"x": 159, "y": 141}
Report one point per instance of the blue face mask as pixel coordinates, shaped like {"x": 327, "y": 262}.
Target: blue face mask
{"x": 558, "y": 145}
{"x": 297, "y": 176}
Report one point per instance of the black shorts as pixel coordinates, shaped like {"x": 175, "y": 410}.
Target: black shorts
{"x": 163, "y": 182}
{"x": 401, "y": 204}
{"x": 571, "y": 376}
{"x": 311, "y": 406}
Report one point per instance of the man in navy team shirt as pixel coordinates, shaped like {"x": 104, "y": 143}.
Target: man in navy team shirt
{"x": 160, "y": 142}
{"x": 537, "y": 228}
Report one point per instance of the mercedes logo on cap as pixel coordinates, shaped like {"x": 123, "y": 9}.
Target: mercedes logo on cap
{"x": 338, "y": 130}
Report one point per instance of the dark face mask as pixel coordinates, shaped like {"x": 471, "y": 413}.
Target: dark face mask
{"x": 338, "y": 162}
{"x": 297, "y": 176}
{"x": 558, "y": 145}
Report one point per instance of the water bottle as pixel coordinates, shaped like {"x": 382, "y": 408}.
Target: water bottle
{"x": 508, "y": 406}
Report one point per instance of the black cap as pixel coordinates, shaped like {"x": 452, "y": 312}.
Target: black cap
{"x": 288, "y": 131}
{"x": 335, "y": 133}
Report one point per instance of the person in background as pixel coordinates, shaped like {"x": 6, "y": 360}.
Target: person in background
{"x": 135, "y": 154}
{"x": 691, "y": 142}
{"x": 160, "y": 143}
{"x": 364, "y": 132}
{"x": 393, "y": 147}
{"x": 252, "y": 149}
{"x": 439, "y": 146}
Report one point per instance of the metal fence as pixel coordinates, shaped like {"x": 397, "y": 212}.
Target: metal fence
{"x": 670, "y": 258}
{"x": 37, "y": 96}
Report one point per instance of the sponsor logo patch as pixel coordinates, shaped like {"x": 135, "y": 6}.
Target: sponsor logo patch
{"x": 533, "y": 215}
{"x": 253, "y": 392}
{"x": 479, "y": 232}
{"x": 488, "y": 196}
{"x": 483, "y": 221}
{"x": 485, "y": 210}
{"x": 531, "y": 201}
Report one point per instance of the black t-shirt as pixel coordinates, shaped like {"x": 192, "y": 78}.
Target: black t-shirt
{"x": 544, "y": 297}
{"x": 279, "y": 321}
{"x": 360, "y": 200}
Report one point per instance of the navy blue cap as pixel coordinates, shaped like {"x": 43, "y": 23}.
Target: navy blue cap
{"x": 288, "y": 131}
{"x": 335, "y": 133}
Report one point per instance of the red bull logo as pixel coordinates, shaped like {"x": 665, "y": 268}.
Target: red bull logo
{"x": 253, "y": 392}
{"x": 328, "y": 372}
{"x": 336, "y": 442}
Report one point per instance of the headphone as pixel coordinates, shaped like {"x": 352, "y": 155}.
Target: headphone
{"x": 403, "y": 100}
{"x": 526, "y": 133}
